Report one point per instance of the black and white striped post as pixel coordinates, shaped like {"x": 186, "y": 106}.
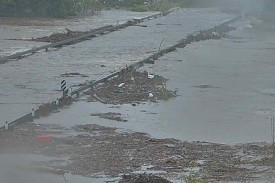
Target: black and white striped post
{"x": 63, "y": 88}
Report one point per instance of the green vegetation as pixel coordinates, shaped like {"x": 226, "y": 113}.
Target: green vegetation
{"x": 139, "y": 8}
{"x": 193, "y": 178}
{"x": 122, "y": 3}
{"x": 156, "y": 5}
{"x": 166, "y": 94}
{"x": 164, "y": 5}
{"x": 47, "y": 8}
{"x": 144, "y": 5}
{"x": 63, "y": 8}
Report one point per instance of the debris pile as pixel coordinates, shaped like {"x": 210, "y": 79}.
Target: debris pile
{"x": 96, "y": 149}
{"x": 142, "y": 178}
{"x": 72, "y": 74}
{"x": 44, "y": 109}
{"x": 56, "y": 37}
{"x": 90, "y": 128}
{"x": 132, "y": 86}
{"x": 215, "y": 33}
{"x": 110, "y": 116}
{"x": 47, "y": 108}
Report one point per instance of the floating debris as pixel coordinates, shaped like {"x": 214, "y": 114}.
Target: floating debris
{"x": 143, "y": 178}
{"x": 96, "y": 148}
{"x": 205, "y": 86}
{"x": 56, "y": 37}
{"x": 110, "y": 116}
{"x": 72, "y": 74}
{"x": 132, "y": 86}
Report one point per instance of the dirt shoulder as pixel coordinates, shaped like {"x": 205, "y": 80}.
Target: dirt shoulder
{"x": 103, "y": 150}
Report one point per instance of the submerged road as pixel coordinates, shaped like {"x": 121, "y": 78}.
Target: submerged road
{"x": 226, "y": 92}
{"x": 37, "y": 78}
{"x": 87, "y": 35}
{"x": 225, "y": 86}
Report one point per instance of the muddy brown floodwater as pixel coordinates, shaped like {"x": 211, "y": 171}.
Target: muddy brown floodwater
{"x": 40, "y": 74}
{"x": 217, "y": 127}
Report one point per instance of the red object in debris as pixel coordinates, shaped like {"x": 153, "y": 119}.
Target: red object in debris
{"x": 44, "y": 138}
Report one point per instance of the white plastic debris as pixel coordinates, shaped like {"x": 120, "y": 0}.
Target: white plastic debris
{"x": 120, "y": 85}
{"x": 249, "y": 26}
{"x": 151, "y": 76}
{"x": 151, "y": 95}
{"x": 215, "y": 33}
{"x": 70, "y": 90}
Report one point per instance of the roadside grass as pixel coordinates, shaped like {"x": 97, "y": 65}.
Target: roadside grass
{"x": 193, "y": 178}
{"x": 139, "y": 8}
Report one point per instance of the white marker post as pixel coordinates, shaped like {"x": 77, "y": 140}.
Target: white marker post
{"x": 57, "y": 102}
{"x": 6, "y": 125}
{"x": 33, "y": 113}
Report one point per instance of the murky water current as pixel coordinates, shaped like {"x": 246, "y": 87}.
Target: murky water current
{"x": 234, "y": 108}
{"x": 239, "y": 72}
{"x": 24, "y": 169}
{"x": 26, "y": 28}
{"x": 37, "y": 78}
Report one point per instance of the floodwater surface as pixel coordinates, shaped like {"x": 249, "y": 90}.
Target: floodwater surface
{"x": 27, "y": 169}
{"x": 27, "y": 28}
{"x": 28, "y": 82}
{"x": 226, "y": 87}
{"x": 226, "y": 92}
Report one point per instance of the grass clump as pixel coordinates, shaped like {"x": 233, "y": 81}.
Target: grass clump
{"x": 139, "y": 8}
{"x": 193, "y": 178}
{"x": 163, "y": 5}
{"x": 166, "y": 94}
{"x": 48, "y": 8}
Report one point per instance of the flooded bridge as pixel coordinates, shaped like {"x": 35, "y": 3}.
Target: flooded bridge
{"x": 223, "y": 86}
